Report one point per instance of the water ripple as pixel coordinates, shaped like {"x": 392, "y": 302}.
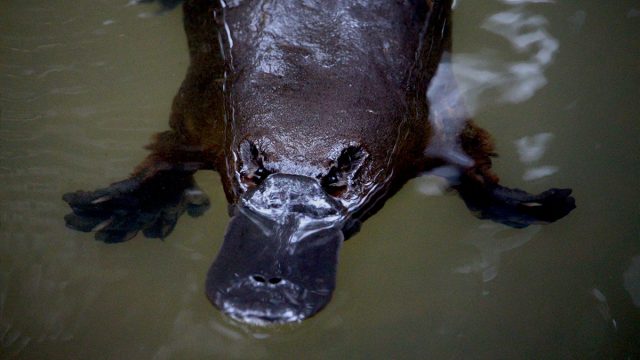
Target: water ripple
{"x": 482, "y": 73}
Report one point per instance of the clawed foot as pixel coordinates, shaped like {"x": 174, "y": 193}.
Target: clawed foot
{"x": 517, "y": 208}
{"x": 117, "y": 213}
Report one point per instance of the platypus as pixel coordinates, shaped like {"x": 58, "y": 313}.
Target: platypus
{"x": 314, "y": 112}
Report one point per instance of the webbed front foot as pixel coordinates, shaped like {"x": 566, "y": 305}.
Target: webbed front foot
{"x": 117, "y": 213}
{"x": 517, "y": 208}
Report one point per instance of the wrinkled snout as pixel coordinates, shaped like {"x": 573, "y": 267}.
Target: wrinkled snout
{"x": 280, "y": 253}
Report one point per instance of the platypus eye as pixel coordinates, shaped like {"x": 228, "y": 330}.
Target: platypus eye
{"x": 334, "y": 179}
{"x": 260, "y": 174}
{"x": 344, "y": 170}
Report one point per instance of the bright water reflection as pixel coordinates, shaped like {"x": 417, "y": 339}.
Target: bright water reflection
{"x": 487, "y": 77}
{"x": 84, "y": 85}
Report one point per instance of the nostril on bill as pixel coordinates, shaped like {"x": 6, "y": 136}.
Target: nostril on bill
{"x": 259, "y": 279}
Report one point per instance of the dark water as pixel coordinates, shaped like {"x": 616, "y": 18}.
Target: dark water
{"x": 84, "y": 84}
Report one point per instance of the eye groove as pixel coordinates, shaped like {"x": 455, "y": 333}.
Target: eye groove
{"x": 344, "y": 169}
{"x": 252, "y": 167}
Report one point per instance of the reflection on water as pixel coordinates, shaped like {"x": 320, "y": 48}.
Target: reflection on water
{"x": 488, "y": 75}
{"x": 632, "y": 280}
{"x": 531, "y": 149}
{"x": 603, "y": 306}
{"x": 83, "y": 85}
{"x": 492, "y": 240}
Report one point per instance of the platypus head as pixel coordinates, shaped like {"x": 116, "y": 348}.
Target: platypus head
{"x": 280, "y": 252}
{"x": 291, "y": 209}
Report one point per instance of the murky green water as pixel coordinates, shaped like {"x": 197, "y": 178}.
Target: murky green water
{"x": 84, "y": 84}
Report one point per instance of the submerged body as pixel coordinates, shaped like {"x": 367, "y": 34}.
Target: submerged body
{"x": 314, "y": 113}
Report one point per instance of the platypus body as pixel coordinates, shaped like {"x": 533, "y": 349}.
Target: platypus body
{"x": 314, "y": 112}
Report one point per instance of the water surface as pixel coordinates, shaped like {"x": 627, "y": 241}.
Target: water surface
{"x": 84, "y": 84}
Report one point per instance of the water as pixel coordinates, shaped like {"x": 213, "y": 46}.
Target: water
{"x": 84, "y": 84}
